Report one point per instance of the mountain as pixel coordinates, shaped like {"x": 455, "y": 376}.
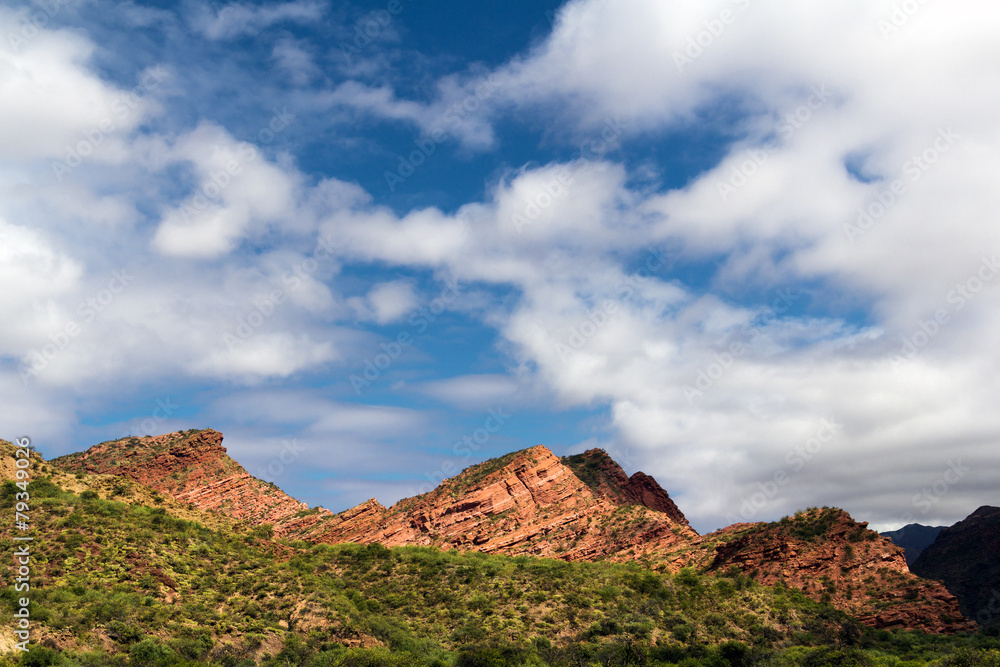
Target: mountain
{"x": 832, "y": 558}
{"x": 965, "y": 558}
{"x": 527, "y": 502}
{"x": 914, "y": 538}
{"x": 533, "y": 503}
{"x": 191, "y": 467}
{"x": 122, "y": 574}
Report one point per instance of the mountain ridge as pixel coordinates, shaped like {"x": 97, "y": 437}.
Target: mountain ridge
{"x": 914, "y": 538}
{"x": 532, "y": 502}
{"x": 964, "y": 559}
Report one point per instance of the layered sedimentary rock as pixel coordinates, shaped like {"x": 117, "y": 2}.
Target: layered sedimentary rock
{"x": 606, "y": 478}
{"x": 527, "y": 502}
{"x": 832, "y": 558}
{"x": 192, "y": 467}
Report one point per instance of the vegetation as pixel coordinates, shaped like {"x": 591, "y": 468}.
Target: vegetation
{"x": 122, "y": 580}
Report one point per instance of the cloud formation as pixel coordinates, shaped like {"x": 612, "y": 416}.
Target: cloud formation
{"x": 820, "y": 302}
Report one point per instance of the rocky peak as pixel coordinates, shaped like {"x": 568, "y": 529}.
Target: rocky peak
{"x": 526, "y": 502}
{"x": 835, "y": 559}
{"x": 192, "y": 467}
{"x": 606, "y": 478}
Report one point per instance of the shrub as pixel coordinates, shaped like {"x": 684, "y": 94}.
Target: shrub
{"x": 151, "y": 653}
{"x": 39, "y": 656}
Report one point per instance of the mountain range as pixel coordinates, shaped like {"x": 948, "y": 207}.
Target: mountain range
{"x": 534, "y": 503}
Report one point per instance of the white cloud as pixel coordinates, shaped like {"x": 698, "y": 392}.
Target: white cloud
{"x": 595, "y": 338}
{"x": 238, "y": 193}
{"x": 239, "y": 19}
{"x": 463, "y": 108}
{"x": 475, "y": 391}
{"x": 52, "y": 106}
{"x": 388, "y": 302}
{"x": 295, "y": 60}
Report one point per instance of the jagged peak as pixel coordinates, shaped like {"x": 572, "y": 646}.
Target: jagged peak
{"x": 605, "y": 477}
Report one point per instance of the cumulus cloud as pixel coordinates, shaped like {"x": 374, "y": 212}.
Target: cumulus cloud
{"x": 237, "y": 192}
{"x": 837, "y": 328}
{"x": 53, "y": 106}
{"x": 387, "y": 302}
{"x": 717, "y": 387}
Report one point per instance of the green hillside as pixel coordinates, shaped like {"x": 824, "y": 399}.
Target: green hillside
{"x": 122, "y": 584}
{"x": 119, "y": 576}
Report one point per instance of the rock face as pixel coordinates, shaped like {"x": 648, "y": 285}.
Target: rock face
{"x": 528, "y": 502}
{"x": 965, "y": 558}
{"x": 580, "y": 507}
{"x": 834, "y": 559}
{"x": 192, "y": 467}
{"x": 606, "y": 478}
{"x": 914, "y": 538}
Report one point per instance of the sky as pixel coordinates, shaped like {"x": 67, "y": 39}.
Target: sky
{"x": 749, "y": 247}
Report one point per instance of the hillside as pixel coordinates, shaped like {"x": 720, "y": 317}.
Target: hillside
{"x": 123, "y": 583}
{"x": 526, "y": 502}
{"x": 191, "y": 467}
{"x": 965, "y": 557}
{"x": 581, "y": 508}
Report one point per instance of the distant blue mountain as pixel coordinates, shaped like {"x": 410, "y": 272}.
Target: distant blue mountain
{"x": 914, "y": 538}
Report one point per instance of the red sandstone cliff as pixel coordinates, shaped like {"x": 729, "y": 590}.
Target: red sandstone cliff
{"x": 831, "y": 558}
{"x": 192, "y": 467}
{"x": 606, "y": 478}
{"x": 527, "y": 502}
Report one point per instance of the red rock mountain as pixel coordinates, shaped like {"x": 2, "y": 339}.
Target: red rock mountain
{"x": 531, "y": 502}
{"x": 832, "y": 558}
{"x": 192, "y": 467}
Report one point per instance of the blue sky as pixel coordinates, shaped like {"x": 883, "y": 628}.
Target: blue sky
{"x": 746, "y": 247}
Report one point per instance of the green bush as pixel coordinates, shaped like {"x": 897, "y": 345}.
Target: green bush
{"x": 151, "y": 653}
{"x": 39, "y": 656}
